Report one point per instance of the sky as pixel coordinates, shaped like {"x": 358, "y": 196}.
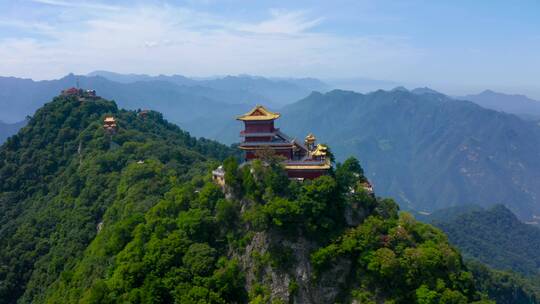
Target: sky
{"x": 455, "y": 46}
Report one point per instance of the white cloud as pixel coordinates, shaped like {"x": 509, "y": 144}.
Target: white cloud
{"x": 168, "y": 39}
{"x": 29, "y": 26}
{"x": 283, "y": 22}
{"x": 78, "y": 4}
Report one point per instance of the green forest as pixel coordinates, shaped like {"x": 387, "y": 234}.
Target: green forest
{"x": 495, "y": 237}
{"x": 133, "y": 216}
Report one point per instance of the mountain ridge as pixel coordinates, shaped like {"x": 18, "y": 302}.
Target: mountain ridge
{"x": 276, "y": 91}
{"x": 493, "y": 236}
{"x": 389, "y": 130}
{"x": 518, "y": 104}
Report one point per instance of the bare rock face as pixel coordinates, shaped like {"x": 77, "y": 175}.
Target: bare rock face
{"x": 281, "y": 266}
{"x": 355, "y": 214}
{"x": 294, "y": 284}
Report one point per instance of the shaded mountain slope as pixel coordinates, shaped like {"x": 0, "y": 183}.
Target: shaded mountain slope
{"x": 427, "y": 150}
{"x": 493, "y": 236}
{"x": 510, "y": 103}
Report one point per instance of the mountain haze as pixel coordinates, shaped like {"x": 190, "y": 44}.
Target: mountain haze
{"x": 181, "y": 99}
{"x": 274, "y": 91}
{"x": 22, "y": 97}
{"x": 6, "y": 130}
{"x": 520, "y": 105}
{"x": 428, "y": 151}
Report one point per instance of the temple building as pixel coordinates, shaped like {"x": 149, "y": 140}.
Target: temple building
{"x": 218, "y": 176}
{"x": 109, "y": 124}
{"x": 80, "y": 94}
{"x": 302, "y": 160}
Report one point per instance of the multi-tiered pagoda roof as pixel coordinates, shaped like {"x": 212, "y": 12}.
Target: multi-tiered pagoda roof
{"x": 302, "y": 159}
{"x": 259, "y": 113}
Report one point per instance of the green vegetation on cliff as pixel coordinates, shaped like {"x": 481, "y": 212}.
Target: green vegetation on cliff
{"x": 62, "y": 172}
{"x": 195, "y": 246}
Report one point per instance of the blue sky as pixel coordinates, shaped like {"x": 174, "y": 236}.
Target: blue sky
{"x": 454, "y": 46}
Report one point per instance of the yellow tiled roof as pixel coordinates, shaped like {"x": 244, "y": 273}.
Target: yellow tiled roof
{"x": 320, "y": 150}
{"x": 259, "y": 113}
{"x": 311, "y": 137}
{"x": 324, "y": 166}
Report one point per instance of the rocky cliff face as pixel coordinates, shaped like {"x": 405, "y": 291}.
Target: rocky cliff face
{"x": 292, "y": 278}
{"x": 297, "y": 284}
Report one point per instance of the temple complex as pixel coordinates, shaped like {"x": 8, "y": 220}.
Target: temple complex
{"x": 302, "y": 160}
{"x": 80, "y": 94}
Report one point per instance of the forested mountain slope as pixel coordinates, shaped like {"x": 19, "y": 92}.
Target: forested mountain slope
{"x": 428, "y": 151}
{"x": 61, "y": 173}
{"x": 493, "y": 236}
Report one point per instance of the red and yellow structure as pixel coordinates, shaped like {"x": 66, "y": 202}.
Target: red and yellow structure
{"x": 302, "y": 160}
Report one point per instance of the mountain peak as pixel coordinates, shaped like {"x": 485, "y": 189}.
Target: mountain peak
{"x": 488, "y": 91}
{"x": 521, "y": 105}
{"x": 425, "y": 90}
{"x": 399, "y": 89}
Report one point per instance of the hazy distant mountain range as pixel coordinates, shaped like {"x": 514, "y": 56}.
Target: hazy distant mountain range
{"x": 362, "y": 84}
{"x": 516, "y": 104}
{"x": 6, "y": 130}
{"x": 180, "y": 98}
{"x": 276, "y": 92}
{"x": 21, "y": 97}
{"x": 520, "y": 105}
{"x": 428, "y": 150}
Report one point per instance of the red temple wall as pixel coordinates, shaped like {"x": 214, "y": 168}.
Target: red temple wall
{"x": 311, "y": 174}
{"x": 286, "y": 153}
{"x": 258, "y": 139}
{"x": 250, "y": 155}
{"x": 259, "y": 127}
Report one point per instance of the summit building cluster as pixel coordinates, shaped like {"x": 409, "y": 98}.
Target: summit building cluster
{"x": 302, "y": 160}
